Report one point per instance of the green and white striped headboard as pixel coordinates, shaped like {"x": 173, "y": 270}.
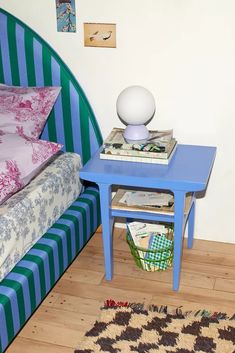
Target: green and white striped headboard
{"x": 27, "y": 60}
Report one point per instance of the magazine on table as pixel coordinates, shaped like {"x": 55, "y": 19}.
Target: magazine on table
{"x": 158, "y": 138}
{"x": 159, "y": 148}
{"x": 138, "y": 158}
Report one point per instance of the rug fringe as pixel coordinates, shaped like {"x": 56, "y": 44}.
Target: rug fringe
{"x": 110, "y": 303}
{"x": 164, "y": 309}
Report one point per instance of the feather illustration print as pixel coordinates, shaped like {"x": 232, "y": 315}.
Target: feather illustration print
{"x": 100, "y": 35}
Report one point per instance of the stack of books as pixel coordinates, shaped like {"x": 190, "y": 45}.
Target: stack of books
{"x": 159, "y": 148}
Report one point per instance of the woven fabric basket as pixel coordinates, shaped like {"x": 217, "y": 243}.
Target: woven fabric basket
{"x": 152, "y": 260}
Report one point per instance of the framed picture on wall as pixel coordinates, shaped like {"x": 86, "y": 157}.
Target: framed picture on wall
{"x": 66, "y": 15}
{"x": 100, "y": 35}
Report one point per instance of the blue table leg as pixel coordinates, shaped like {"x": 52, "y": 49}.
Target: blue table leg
{"x": 191, "y": 221}
{"x": 107, "y": 228}
{"x": 179, "y": 200}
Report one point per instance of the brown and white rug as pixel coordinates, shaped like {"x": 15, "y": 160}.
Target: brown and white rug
{"x": 130, "y": 327}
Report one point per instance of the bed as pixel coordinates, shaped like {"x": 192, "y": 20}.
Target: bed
{"x": 27, "y": 60}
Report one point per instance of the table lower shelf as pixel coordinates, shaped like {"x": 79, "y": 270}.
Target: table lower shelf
{"x": 119, "y": 208}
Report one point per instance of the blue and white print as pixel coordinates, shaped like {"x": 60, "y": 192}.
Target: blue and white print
{"x": 27, "y": 215}
{"x": 66, "y": 15}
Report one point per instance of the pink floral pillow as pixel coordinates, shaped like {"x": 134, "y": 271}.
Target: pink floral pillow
{"x": 24, "y": 110}
{"x": 21, "y": 158}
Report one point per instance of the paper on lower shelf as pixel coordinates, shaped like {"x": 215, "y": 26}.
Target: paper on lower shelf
{"x": 146, "y": 198}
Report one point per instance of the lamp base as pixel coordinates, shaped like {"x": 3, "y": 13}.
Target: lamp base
{"x": 136, "y": 133}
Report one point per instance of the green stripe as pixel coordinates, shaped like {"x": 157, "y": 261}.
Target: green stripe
{"x": 66, "y": 77}
{"x": 92, "y": 192}
{"x": 67, "y": 231}
{"x": 90, "y": 205}
{"x": 11, "y": 31}
{"x": 83, "y": 213}
{"x": 97, "y": 196}
{"x": 37, "y": 260}
{"x": 29, "y": 275}
{"x": 95, "y": 126}
{"x": 68, "y": 129}
{"x": 76, "y": 226}
{"x": 17, "y": 287}
{"x": 28, "y": 39}
{"x": 84, "y": 126}
{"x": 58, "y": 240}
{"x": 4, "y": 300}
{"x": 49, "y": 252}
{"x": 1, "y": 67}
{"x": 46, "y": 60}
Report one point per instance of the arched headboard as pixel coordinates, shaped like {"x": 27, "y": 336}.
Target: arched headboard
{"x": 27, "y": 60}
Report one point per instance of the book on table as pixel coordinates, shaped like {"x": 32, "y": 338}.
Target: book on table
{"x": 159, "y": 148}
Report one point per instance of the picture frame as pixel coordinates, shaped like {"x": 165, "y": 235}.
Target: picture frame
{"x": 66, "y": 15}
{"x": 100, "y": 35}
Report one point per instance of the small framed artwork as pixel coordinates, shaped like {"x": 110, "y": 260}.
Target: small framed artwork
{"x": 100, "y": 35}
{"x": 66, "y": 15}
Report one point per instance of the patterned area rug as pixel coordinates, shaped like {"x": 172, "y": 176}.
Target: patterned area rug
{"x": 130, "y": 327}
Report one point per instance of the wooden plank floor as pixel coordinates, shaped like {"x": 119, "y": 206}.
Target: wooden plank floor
{"x": 207, "y": 281}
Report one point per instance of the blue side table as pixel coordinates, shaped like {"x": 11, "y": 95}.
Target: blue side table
{"x": 188, "y": 171}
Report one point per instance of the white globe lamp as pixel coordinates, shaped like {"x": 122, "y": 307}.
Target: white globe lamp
{"x": 136, "y": 107}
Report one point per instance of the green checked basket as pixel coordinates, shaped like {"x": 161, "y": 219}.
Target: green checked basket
{"x": 158, "y": 257}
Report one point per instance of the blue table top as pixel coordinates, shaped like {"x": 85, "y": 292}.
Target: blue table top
{"x": 189, "y": 170}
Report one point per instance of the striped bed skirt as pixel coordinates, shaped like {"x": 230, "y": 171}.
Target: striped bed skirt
{"x": 32, "y": 278}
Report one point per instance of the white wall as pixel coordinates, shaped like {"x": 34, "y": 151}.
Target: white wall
{"x": 181, "y": 50}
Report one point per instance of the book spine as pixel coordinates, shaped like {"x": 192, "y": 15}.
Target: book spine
{"x": 133, "y": 159}
{"x": 110, "y": 149}
{"x": 162, "y": 155}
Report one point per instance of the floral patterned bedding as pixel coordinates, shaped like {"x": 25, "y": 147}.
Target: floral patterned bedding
{"x": 27, "y": 215}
